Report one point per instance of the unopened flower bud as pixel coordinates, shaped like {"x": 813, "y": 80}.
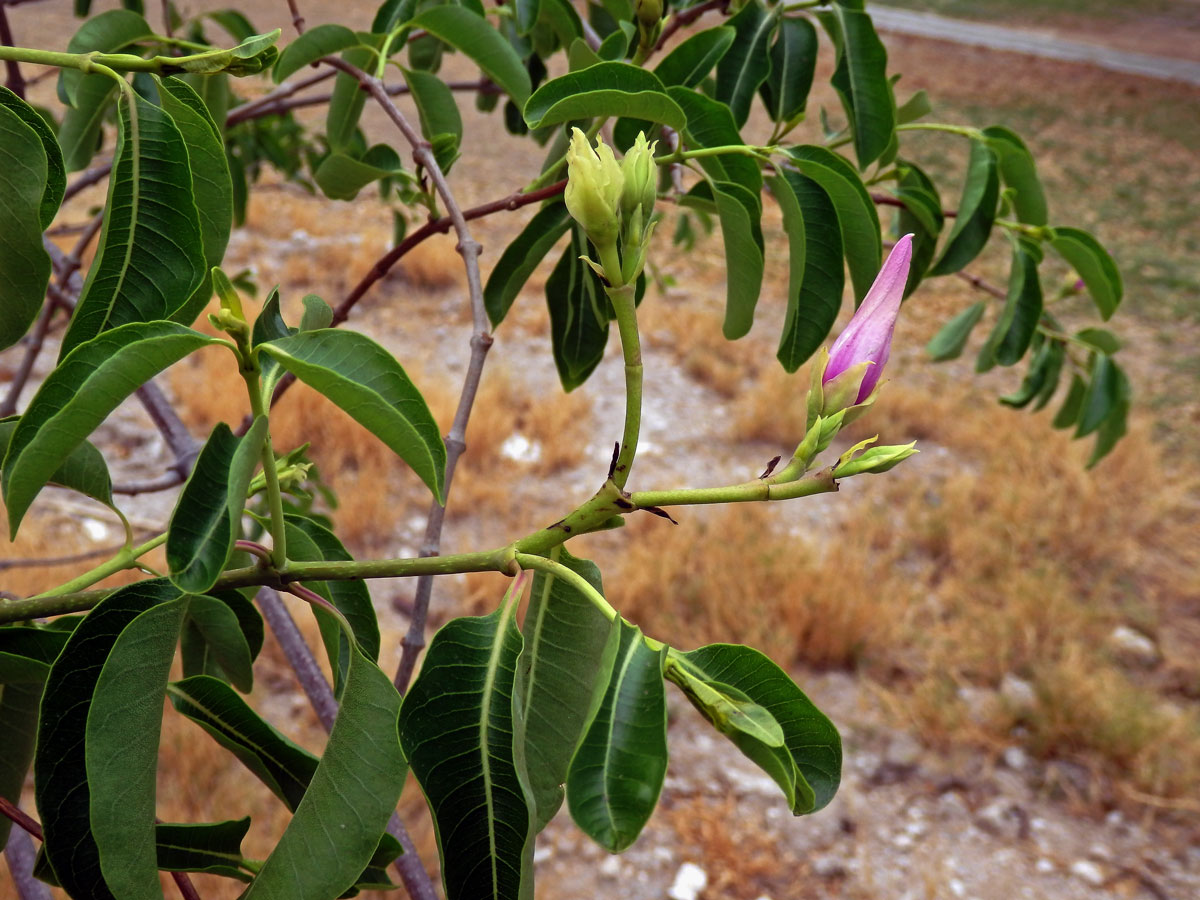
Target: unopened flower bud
{"x": 648, "y": 12}
{"x": 640, "y": 178}
{"x": 873, "y": 460}
{"x": 594, "y": 185}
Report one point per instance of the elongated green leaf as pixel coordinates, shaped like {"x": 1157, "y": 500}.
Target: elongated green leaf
{"x": 860, "y": 78}
{"x": 212, "y": 186}
{"x": 562, "y": 675}
{"x": 1022, "y": 307}
{"x": 438, "y": 111}
{"x": 922, "y": 216}
{"x": 816, "y": 274}
{"x": 367, "y": 382}
{"x": 1103, "y": 393}
{"x": 474, "y": 36}
{"x": 253, "y": 55}
{"x": 56, "y": 174}
{"x": 281, "y": 765}
{"x": 710, "y": 124}
{"x": 316, "y": 42}
{"x": 84, "y": 470}
{"x": 27, "y": 652}
{"x": 617, "y": 773}
{"x": 80, "y": 132}
{"x": 856, "y": 216}
{"x": 341, "y": 176}
{"x": 1068, "y": 413}
{"x": 1017, "y": 171}
{"x": 809, "y": 737}
{"x": 18, "y": 723}
{"x": 63, "y": 786}
{"x": 24, "y": 263}
{"x": 915, "y": 107}
{"x": 215, "y": 848}
{"x": 605, "y": 89}
{"x": 337, "y": 826}
{"x": 578, "y": 334}
{"x": 221, "y": 640}
{"x": 110, "y": 31}
{"x": 151, "y": 257}
{"x": 78, "y": 395}
{"x": 976, "y": 212}
{"x": 204, "y": 524}
{"x": 121, "y": 748}
{"x": 346, "y": 102}
{"x": 1045, "y": 362}
{"x": 747, "y": 62}
{"x": 1094, "y": 265}
{"x": 1112, "y": 426}
{"x": 456, "y": 727}
{"x": 949, "y": 342}
{"x": 793, "y": 62}
{"x": 741, "y": 231}
{"x": 521, "y": 257}
{"x": 690, "y": 62}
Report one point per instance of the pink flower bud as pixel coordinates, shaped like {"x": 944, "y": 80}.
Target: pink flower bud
{"x": 868, "y": 337}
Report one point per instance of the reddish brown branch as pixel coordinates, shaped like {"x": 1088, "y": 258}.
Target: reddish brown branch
{"x": 20, "y": 818}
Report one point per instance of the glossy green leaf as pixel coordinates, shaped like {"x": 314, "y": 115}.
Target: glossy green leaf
{"x": 562, "y": 675}
{"x": 204, "y": 524}
{"x": 121, "y": 748}
{"x": 1022, "y": 307}
{"x": 438, "y": 112}
{"x": 475, "y": 37}
{"x": 914, "y": 108}
{"x": 747, "y": 62}
{"x": 921, "y": 216}
{"x": 950, "y": 340}
{"x": 337, "y": 826}
{"x": 741, "y": 232}
{"x": 390, "y": 14}
{"x": 346, "y": 102}
{"x": 214, "y": 847}
{"x": 219, "y": 644}
{"x": 56, "y": 175}
{"x": 456, "y": 727}
{"x": 79, "y": 133}
{"x": 280, "y": 764}
{"x": 793, "y": 63}
{"x": 816, "y": 275}
{"x": 577, "y": 333}
{"x": 341, "y": 176}
{"x": 689, "y": 63}
{"x": 605, "y": 89}
{"x": 521, "y": 257}
{"x": 315, "y": 43}
{"x": 63, "y": 786}
{"x": 150, "y": 257}
{"x": 84, "y": 470}
{"x": 108, "y": 32}
{"x": 810, "y": 738}
{"x": 79, "y": 394}
{"x": 1102, "y": 395}
{"x": 860, "y": 78}
{"x": 24, "y": 263}
{"x": 256, "y": 53}
{"x": 710, "y": 124}
{"x": 27, "y": 652}
{"x": 856, "y": 216}
{"x": 617, "y": 773}
{"x": 976, "y": 212}
{"x": 1017, "y": 171}
{"x": 367, "y": 382}
{"x": 19, "y": 704}
{"x": 1094, "y": 265}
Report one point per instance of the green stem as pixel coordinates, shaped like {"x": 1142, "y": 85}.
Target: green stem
{"x": 631, "y": 348}
{"x": 1037, "y": 232}
{"x": 571, "y": 577}
{"x": 723, "y": 150}
{"x": 123, "y": 560}
{"x": 961, "y": 130}
{"x": 250, "y": 372}
{"x": 82, "y": 61}
{"x": 819, "y": 482}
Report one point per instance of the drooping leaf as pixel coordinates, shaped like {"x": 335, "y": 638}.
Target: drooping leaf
{"x": 475, "y": 37}
{"x": 316, "y": 42}
{"x": 562, "y": 676}
{"x": 976, "y": 212}
{"x": 921, "y": 216}
{"x": 1045, "y": 362}
{"x": 438, "y": 112}
{"x": 150, "y": 257}
{"x": 950, "y": 340}
{"x": 341, "y": 176}
{"x": 710, "y": 124}
{"x": 816, "y": 274}
{"x": 108, "y": 32}
{"x": 27, "y": 652}
{"x": 1094, "y": 265}
{"x": 747, "y": 62}
{"x": 860, "y": 78}
{"x": 367, "y": 382}
{"x": 217, "y": 634}
{"x": 215, "y": 847}
{"x": 577, "y": 333}
{"x": 1102, "y": 395}
{"x": 617, "y": 773}
{"x": 346, "y": 102}
{"x": 456, "y": 727}
{"x": 19, "y": 704}
{"x": 1017, "y": 171}
{"x": 741, "y": 231}
{"x": 56, "y": 175}
{"x": 521, "y": 257}
{"x": 689, "y": 63}
{"x": 793, "y": 62}
{"x": 1023, "y": 306}
{"x": 1112, "y": 426}
{"x": 605, "y": 89}
{"x": 79, "y": 394}
{"x": 84, "y": 469}
{"x": 1068, "y": 413}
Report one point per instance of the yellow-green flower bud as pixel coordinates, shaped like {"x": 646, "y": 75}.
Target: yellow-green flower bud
{"x": 594, "y": 184}
{"x": 648, "y": 12}
{"x": 640, "y": 178}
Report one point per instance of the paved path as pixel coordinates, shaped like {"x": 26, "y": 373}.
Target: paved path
{"x": 1016, "y": 40}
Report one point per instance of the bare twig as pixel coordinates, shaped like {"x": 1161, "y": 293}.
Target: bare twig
{"x": 888, "y": 200}
{"x": 166, "y": 17}
{"x": 19, "y": 817}
{"x": 186, "y": 888}
{"x": 280, "y": 105}
{"x": 981, "y": 284}
{"x": 33, "y": 348}
{"x": 21, "y": 857}
{"x": 86, "y": 180}
{"x": 14, "y": 80}
{"x": 170, "y": 426}
{"x": 163, "y": 482}
{"x": 297, "y": 18}
{"x": 255, "y": 108}
{"x": 687, "y": 17}
{"x": 49, "y": 561}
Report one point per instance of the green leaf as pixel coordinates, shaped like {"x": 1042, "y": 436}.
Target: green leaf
{"x": 856, "y": 216}
{"x": 18, "y": 723}
{"x": 920, "y": 216}
{"x": 521, "y": 257}
{"x": 741, "y": 231}
{"x": 976, "y": 212}
{"x": 150, "y": 257}
{"x": 222, "y": 640}
{"x": 1045, "y": 363}
{"x": 810, "y": 739}
{"x": 860, "y": 78}
{"x": 63, "y": 786}
{"x": 1022, "y": 307}
{"x": 346, "y": 102}
{"x": 367, "y": 382}
{"x": 212, "y": 186}
{"x": 1068, "y": 413}
{"x": 577, "y": 333}
{"x": 205, "y": 522}
{"x": 816, "y": 274}
{"x": 562, "y": 676}
{"x": 1094, "y": 265}
{"x": 605, "y": 89}
{"x": 24, "y": 263}
{"x": 710, "y": 124}
{"x": 950, "y": 340}
{"x": 56, "y": 174}
{"x": 1112, "y": 426}
{"x": 793, "y": 62}
{"x": 281, "y": 765}
{"x": 337, "y": 826}
{"x": 438, "y": 111}
{"x": 215, "y": 848}
{"x": 253, "y": 55}
{"x": 914, "y": 108}
{"x": 1102, "y": 395}
{"x": 27, "y": 652}
{"x": 317, "y": 42}
{"x": 1017, "y": 170}
{"x": 121, "y": 748}
{"x": 617, "y": 773}
{"x": 84, "y": 470}
{"x": 747, "y": 62}
{"x": 456, "y": 727}
{"x": 79, "y": 394}
{"x": 341, "y": 176}
{"x": 108, "y": 32}
{"x": 690, "y": 62}
{"x": 474, "y": 36}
